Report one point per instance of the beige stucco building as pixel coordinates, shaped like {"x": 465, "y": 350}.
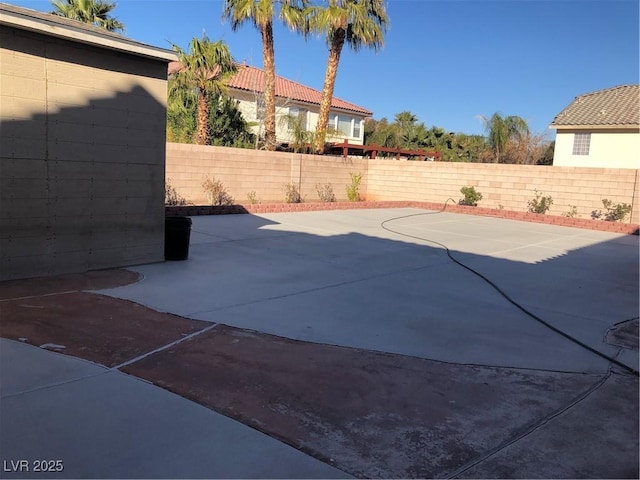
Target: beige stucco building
{"x": 82, "y": 146}
{"x": 294, "y": 102}
{"x": 600, "y": 129}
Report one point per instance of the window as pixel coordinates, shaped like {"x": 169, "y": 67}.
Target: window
{"x": 260, "y": 108}
{"x": 356, "y": 128}
{"x": 298, "y": 115}
{"x": 344, "y": 125}
{"x": 581, "y": 142}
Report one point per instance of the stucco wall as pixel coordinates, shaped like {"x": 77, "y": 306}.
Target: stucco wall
{"x": 608, "y": 149}
{"x": 82, "y": 150}
{"x": 247, "y": 105}
{"x": 503, "y": 186}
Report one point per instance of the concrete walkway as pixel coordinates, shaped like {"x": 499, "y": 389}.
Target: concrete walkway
{"x": 329, "y": 345}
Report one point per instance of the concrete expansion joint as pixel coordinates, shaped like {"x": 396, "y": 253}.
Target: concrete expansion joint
{"x": 317, "y": 289}
{"x": 58, "y": 384}
{"x": 526, "y": 431}
{"x": 163, "y": 347}
{"x": 39, "y": 296}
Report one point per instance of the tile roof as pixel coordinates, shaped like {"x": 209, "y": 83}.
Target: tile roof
{"x": 251, "y": 79}
{"x": 612, "y": 107}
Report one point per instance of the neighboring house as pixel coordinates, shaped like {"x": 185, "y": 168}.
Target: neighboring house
{"x": 82, "y": 146}
{"x": 600, "y": 129}
{"x": 293, "y": 101}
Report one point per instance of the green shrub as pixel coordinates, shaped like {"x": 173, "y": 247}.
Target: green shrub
{"x": 471, "y": 196}
{"x": 615, "y": 212}
{"x": 325, "y": 192}
{"x": 216, "y": 192}
{"x": 353, "y": 190}
{"x": 292, "y": 194}
{"x": 540, "y": 203}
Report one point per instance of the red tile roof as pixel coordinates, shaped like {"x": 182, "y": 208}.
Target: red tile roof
{"x": 612, "y": 107}
{"x": 251, "y": 79}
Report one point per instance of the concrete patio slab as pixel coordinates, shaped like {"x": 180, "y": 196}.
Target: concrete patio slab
{"x": 341, "y": 277}
{"x": 388, "y": 360}
{"x": 102, "y": 423}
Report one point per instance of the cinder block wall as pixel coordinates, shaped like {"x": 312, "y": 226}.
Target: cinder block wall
{"x": 503, "y": 186}
{"x": 82, "y": 151}
{"x": 507, "y": 186}
{"x": 244, "y": 171}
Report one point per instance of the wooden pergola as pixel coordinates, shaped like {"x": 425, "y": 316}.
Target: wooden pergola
{"x": 373, "y": 150}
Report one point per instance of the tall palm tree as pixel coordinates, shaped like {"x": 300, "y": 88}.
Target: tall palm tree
{"x": 502, "y": 129}
{"x": 262, "y": 13}
{"x": 357, "y": 23}
{"x": 94, "y": 12}
{"x": 205, "y": 67}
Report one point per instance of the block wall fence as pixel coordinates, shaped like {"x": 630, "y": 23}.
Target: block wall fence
{"x": 504, "y": 187}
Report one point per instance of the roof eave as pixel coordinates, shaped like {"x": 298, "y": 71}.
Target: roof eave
{"x": 594, "y": 127}
{"x": 20, "y": 18}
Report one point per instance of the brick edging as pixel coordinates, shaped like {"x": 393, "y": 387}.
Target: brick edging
{"x": 195, "y": 210}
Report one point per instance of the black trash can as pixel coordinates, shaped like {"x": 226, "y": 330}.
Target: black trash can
{"x": 177, "y": 232}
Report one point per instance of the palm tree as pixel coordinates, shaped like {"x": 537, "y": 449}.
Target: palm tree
{"x": 500, "y": 130}
{"x": 204, "y": 70}
{"x": 355, "y": 22}
{"x": 261, "y": 13}
{"x": 94, "y": 12}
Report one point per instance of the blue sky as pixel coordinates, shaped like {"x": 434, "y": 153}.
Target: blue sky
{"x": 446, "y": 61}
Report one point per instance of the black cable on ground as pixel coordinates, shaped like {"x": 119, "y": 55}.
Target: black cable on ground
{"x": 503, "y": 293}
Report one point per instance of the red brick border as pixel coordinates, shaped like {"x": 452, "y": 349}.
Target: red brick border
{"x": 191, "y": 210}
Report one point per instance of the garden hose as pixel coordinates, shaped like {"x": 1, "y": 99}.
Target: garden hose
{"x": 530, "y": 314}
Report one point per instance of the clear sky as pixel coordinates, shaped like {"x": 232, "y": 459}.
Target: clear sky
{"x": 446, "y": 61}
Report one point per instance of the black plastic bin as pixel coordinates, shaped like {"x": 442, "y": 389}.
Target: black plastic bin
{"x": 177, "y": 232}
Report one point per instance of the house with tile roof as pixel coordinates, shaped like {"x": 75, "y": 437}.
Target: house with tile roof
{"x": 600, "y": 129}
{"x": 293, "y": 100}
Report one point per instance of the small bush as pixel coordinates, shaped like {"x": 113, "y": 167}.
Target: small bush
{"x": 253, "y": 198}
{"x": 353, "y": 190}
{"x": 171, "y": 197}
{"x": 471, "y": 196}
{"x": 540, "y": 203}
{"x": 615, "y": 212}
{"x": 325, "y": 192}
{"x": 216, "y": 192}
{"x": 292, "y": 194}
{"x": 572, "y": 212}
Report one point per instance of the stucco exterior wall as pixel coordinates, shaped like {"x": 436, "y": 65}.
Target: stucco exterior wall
{"x": 509, "y": 187}
{"x": 82, "y": 152}
{"x": 608, "y": 149}
{"x": 247, "y": 105}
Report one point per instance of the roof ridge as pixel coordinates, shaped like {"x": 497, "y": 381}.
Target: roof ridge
{"x": 595, "y": 92}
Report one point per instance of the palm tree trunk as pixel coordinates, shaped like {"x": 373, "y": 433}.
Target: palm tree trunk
{"x": 268, "y": 58}
{"x": 327, "y": 89}
{"x": 202, "y": 133}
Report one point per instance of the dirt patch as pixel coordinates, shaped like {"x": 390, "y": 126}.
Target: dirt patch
{"x": 96, "y": 280}
{"x": 368, "y": 413}
{"x": 101, "y": 329}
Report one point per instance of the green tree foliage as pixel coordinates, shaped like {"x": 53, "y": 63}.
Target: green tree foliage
{"x": 262, "y": 13}
{"x": 358, "y": 23}
{"x": 94, "y": 12}
{"x": 226, "y": 126}
{"x": 501, "y": 130}
{"x": 205, "y": 68}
